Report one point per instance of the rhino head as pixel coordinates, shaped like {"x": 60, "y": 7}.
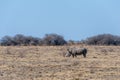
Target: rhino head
{"x": 67, "y": 54}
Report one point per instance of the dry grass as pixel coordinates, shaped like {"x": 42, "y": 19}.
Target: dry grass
{"x": 48, "y": 63}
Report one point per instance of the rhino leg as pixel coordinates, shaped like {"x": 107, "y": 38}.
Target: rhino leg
{"x": 84, "y": 55}
{"x": 73, "y": 55}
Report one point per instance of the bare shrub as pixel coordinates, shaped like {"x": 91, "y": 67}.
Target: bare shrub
{"x": 21, "y": 53}
{"x": 7, "y": 51}
{"x": 53, "y": 39}
{"x": 7, "y": 41}
{"x": 104, "y": 51}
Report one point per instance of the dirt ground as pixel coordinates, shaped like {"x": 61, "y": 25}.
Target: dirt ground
{"x": 48, "y": 63}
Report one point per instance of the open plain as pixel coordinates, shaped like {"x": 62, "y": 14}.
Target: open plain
{"x": 49, "y": 63}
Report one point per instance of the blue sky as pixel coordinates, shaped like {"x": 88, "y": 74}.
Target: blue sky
{"x": 73, "y": 19}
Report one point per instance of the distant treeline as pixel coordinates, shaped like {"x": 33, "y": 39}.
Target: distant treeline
{"x": 21, "y": 40}
{"x": 103, "y": 39}
{"x": 55, "y": 39}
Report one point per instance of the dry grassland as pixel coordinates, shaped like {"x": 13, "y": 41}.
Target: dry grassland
{"x": 48, "y": 63}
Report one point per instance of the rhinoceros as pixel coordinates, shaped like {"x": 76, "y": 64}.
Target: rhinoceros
{"x": 76, "y": 51}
